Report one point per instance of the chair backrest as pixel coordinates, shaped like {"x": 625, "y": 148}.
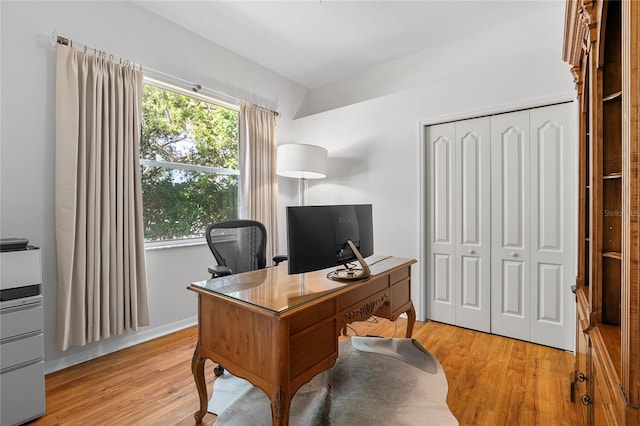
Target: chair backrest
{"x": 239, "y": 245}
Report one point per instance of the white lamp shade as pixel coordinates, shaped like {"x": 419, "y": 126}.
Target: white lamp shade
{"x": 302, "y": 161}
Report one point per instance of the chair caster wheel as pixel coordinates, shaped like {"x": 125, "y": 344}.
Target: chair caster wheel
{"x": 218, "y": 370}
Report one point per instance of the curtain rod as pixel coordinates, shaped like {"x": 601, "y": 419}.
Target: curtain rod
{"x": 194, "y": 86}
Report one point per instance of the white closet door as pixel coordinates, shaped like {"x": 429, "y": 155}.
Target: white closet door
{"x": 441, "y": 240}
{"x": 510, "y": 230}
{"x": 551, "y": 301}
{"x": 501, "y": 202}
{"x": 472, "y": 224}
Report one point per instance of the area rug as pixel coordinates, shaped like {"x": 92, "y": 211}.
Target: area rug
{"x": 375, "y": 381}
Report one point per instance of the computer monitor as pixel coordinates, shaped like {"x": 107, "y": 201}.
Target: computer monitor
{"x": 320, "y": 237}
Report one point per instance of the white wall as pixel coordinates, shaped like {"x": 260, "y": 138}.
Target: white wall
{"x": 523, "y": 49}
{"x": 27, "y": 132}
{"x": 373, "y": 132}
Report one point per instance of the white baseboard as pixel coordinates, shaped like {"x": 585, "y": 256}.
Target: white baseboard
{"x": 117, "y": 343}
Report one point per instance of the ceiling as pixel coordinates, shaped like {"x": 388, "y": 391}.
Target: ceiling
{"x": 317, "y": 42}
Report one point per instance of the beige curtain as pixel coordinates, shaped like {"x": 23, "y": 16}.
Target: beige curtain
{"x": 102, "y": 289}
{"x": 258, "y": 180}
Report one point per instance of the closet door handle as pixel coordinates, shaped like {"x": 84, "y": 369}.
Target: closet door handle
{"x": 472, "y": 252}
{"x": 514, "y": 254}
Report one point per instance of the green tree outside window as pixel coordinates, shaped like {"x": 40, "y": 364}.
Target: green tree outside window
{"x": 189, "y": 157}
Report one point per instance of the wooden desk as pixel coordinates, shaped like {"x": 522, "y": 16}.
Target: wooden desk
{"x": 278, "y": 330}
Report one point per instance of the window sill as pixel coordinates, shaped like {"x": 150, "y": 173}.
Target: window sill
{"x": 170, "y": 244}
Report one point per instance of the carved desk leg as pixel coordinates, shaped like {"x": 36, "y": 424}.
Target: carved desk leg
{"x": 411, "y": 320}
{"x": 197, "y": 368}
{"x": 280, "y": 405}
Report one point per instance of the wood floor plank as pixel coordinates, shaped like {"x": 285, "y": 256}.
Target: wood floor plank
{"x": 492, "y": 380}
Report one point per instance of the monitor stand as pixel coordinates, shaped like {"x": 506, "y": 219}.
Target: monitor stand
{"x": 352, "y": 274}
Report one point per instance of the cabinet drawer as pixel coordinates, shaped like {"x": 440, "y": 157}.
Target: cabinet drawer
{"x": 21, "y": 320}
{"x": 20, "y": 268}
{"x": 20, "y": 351}
{"x": 22, "y": 394}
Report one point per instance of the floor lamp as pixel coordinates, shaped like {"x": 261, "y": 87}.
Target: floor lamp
{"x": 302, "y": 162}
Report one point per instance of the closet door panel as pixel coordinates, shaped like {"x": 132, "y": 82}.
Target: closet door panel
{"x": 441, "y": 162}
{"x": 551, "y": 302}
{"x": 510, "y": 206}
{"x": 512, "y": 303}
{"x": 499, "y": 227}
{"x": 473, "y": 226}
{"x": 442, "y": 280}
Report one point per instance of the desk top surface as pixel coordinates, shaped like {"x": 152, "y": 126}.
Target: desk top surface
{"x": 275, "y": 290}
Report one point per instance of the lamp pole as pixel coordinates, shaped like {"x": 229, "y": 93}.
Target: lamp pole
{"x": 302, "y": 188}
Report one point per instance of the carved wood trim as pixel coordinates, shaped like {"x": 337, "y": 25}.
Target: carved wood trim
{"x": 577, "y": 79}
{"x": 277, "y": 405}
{"x": 365, "y": 310}
{"x": 580, "y": 34}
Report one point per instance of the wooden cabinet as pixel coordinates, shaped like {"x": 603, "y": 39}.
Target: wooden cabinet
{"x": 602, "y": 44}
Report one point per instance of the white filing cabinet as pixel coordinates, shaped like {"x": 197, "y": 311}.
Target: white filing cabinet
{"x": 21, "y": 337}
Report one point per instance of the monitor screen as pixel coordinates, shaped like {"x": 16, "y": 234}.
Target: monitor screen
{"x": 317, "y": 235}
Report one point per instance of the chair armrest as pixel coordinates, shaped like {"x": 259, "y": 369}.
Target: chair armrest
{"x": 219, "y": 271}
{"x": 279, "y": 258}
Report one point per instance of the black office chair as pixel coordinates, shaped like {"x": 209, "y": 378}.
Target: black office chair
{"x": 238, "y": 246}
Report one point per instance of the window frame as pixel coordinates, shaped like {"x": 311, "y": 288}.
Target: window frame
{"x": 185, "y": 242}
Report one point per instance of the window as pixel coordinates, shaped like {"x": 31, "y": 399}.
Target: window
{"x": 189, "y": 161}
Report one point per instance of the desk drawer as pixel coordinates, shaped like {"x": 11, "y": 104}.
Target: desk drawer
{"x": 400, "y": 294}
{"x": 360, "y": 293}
{"x": 400, "y": 274}
{"x": 310, "y": 316}
{"x": 312, "y": 346}
{"x": 399, "y": 298}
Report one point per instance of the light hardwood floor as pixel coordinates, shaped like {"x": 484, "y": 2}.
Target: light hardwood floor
{"x": 492, "y": 380}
